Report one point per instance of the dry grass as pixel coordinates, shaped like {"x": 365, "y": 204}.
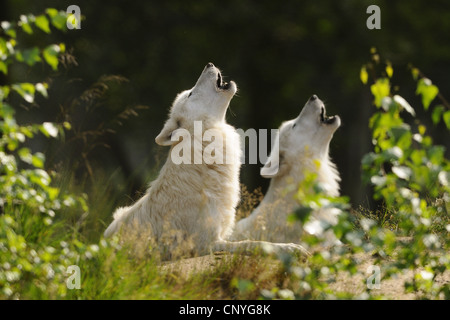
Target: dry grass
{"x": 225, "y": 276}
{"x": 249, "y": 201}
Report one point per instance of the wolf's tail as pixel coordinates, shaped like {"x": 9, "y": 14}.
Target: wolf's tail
{"x": 120, "y": 216}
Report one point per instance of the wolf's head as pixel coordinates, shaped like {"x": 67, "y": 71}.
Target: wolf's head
{"x": 207, "y": 101}
{"x": 306, "y": 137}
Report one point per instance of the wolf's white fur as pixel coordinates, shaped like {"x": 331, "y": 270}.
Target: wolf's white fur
{"x": 303, "y": 147}
{"x": 194, "y": 203}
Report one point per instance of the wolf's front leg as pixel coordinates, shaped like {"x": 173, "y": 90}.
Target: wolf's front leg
{"x": 250, "y": 246}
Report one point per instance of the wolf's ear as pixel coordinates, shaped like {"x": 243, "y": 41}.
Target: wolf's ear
{"x": 164, "y": 138}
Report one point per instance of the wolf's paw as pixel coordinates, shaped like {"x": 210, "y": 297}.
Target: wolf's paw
{"x": 289, "y": 248}
{"x": 298, "y": 249}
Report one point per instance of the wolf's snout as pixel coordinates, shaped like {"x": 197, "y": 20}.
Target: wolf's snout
{"x": 313, "y": 97}
{"x": 209, "y": 65}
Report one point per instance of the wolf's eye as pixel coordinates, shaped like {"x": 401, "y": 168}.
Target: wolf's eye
{"x": 293, "y": 126}
{"x": 190, "y": 94}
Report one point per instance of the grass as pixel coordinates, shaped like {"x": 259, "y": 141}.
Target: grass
{"x": 137, "y": 272}
{"x": 109, "y": 270}
{"x": 36, "y": 254}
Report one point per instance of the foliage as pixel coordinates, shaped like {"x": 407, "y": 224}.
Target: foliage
{"x": 29, "y": 201}
{"x": 296, "y": 49}
{"x": 410, "y": 176}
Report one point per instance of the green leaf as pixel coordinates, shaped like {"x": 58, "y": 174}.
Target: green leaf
{"x": 40, "y": 177}
{"x": 4, "y": 92}
{"x": 67, "y": 125}
{"x": 402, "y": 172}
{"x": 25, "y": 155}
{"x": 243, "y": 285}
{"x": 42, "y": 89}
{"x": 50, "y": 54}
{"x": 51, "y": 11}
{"x": 389, "y": 70}
{"x": 380, "y": 89}
{"x": 37, "y": 160}
{"x": 363, "y": 75}
{"x": 3, "y": 50}
{"x": 72, "y": 19}
{"x": 25, "y": 23}
{"x": 436, "y": 154}
{"x": 28, "y": 131}
{"x": 58, "y": 18}
{"x": 6, "y": 112}
{"x": 378, "y": 180}
{"x": 10, "y": 46}
{"x": 402, "y": 136}
{"x": 446, "y": 118}
{"x": 405, "y": 105}
{"x": 427, "y": 90}
{"x": 49, "y": 129}
{"x": 422, "y": 129}
{"x": 42, "y": 23}
{"x": 387, "y": 104}
{"x": 8, "y": 28}
{"x": 418, "y": 157}
{"x": 437, "y": 113}
{"x": 27, "y": 28}
{"x": 3, "y": 67}
{"x": 394, "y": 153}
{"x": 415, "y": 73}
{"x": 444, "y": 178}
{"x": 369, "y": 158}
{"x": 29, "y": 56}
{"x": 12, "y": 144}
{"x": 52, "y": 193}
{"x": 26, "y": 90}
{"x": 12, "y": 33}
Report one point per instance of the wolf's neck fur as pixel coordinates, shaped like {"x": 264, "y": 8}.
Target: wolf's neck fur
{"x": 287, "y": 184}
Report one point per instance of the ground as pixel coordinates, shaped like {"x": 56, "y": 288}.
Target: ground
{"x": 390, "y": 288}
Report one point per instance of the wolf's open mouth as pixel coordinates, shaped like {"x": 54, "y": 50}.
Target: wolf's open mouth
{"x": 220, "y": 84}
{"x": 325, "y": 119}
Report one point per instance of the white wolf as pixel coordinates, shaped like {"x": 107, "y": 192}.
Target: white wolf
{"x": 303, "y": 147}
{"x": 191, "y": 206}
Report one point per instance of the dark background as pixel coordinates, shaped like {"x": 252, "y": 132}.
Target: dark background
{"x": 278, "y": 52}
